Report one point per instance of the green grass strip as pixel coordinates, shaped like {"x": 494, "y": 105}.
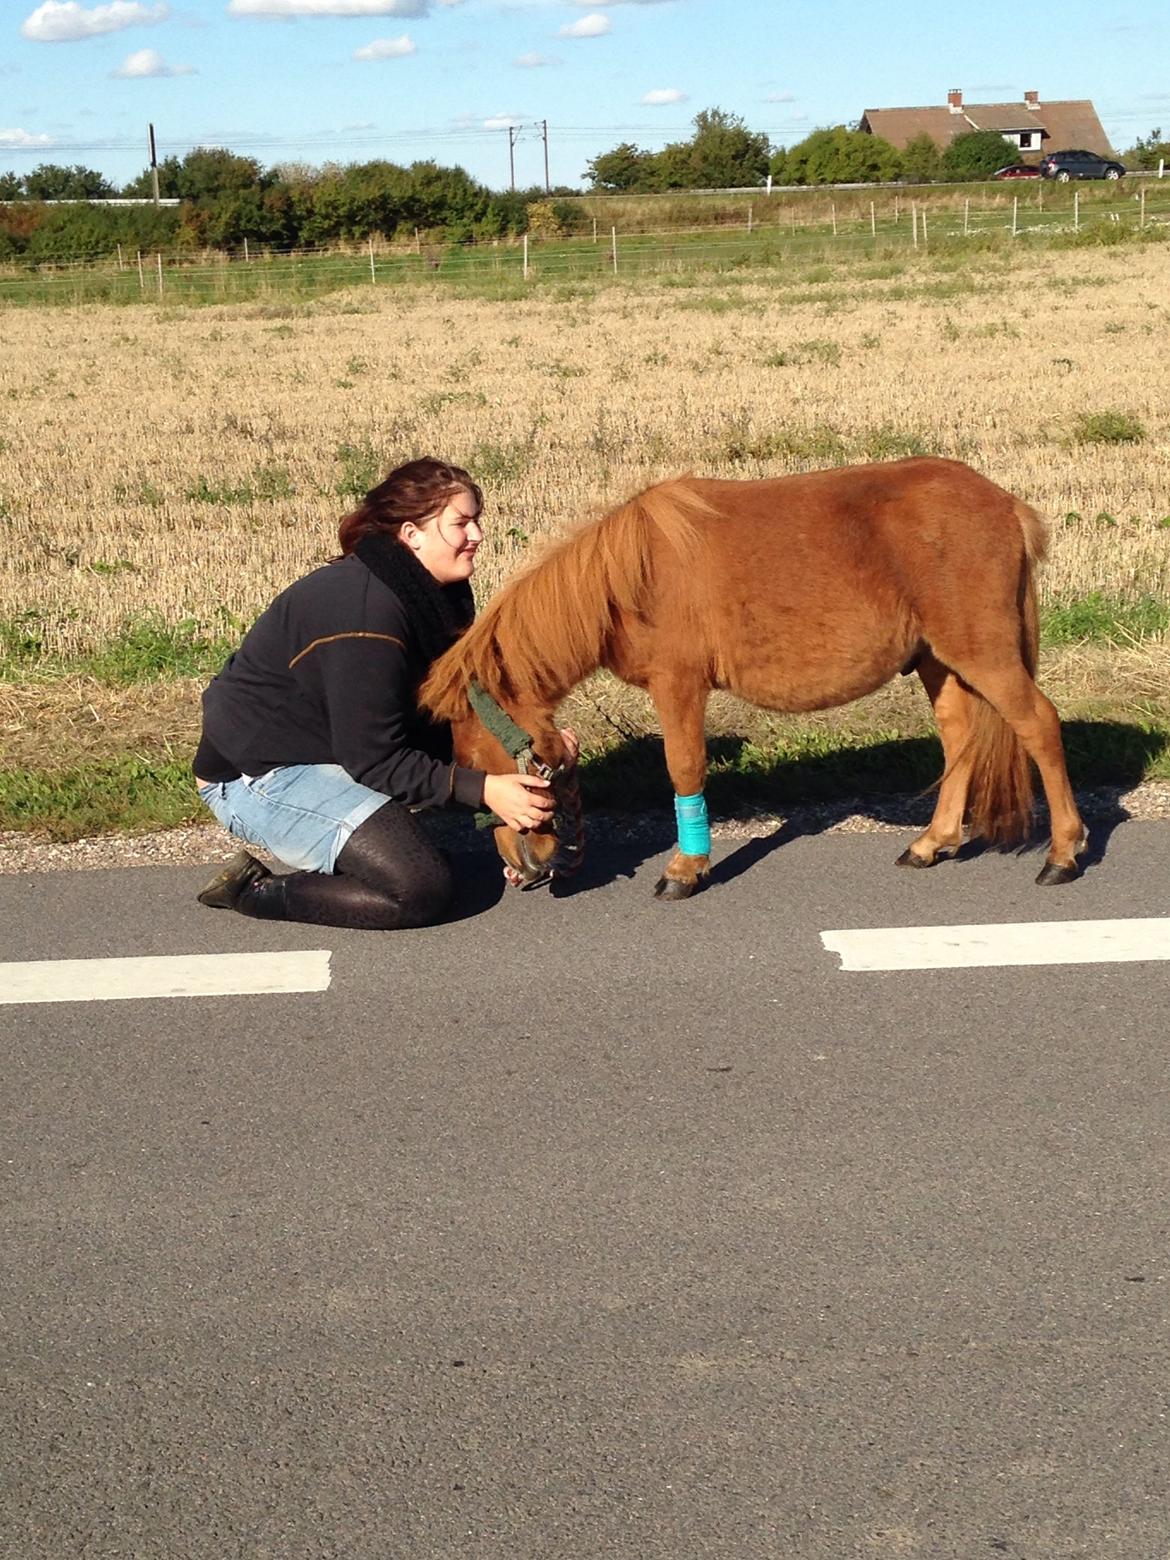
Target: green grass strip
{"x": 116, "y": 796}
{"x": 804, "y": 765}
{"x": 147, "y": 648}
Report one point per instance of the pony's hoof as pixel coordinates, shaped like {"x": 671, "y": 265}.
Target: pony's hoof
{"x": 1052, "y": 873}
{"x": 909, "y": 859}
{"x": 673, "y": 888}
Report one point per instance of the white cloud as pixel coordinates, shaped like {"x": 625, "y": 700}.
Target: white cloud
{"x": 592, "y": 26}
{"x": 22, "y": 138}
{"x": 409, "y": 8}
{"x": 534, "y": 61}
{"x": 64, "y": 21}
{"x": 780, "y": 97}
{"x": 387, "y": 49}
{"x": 500, "y": 122}
{"x": 149, "y": 62}
{"x": 659, "y": 95}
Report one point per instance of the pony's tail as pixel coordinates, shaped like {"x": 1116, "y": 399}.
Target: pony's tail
{"x": 1001, "y": 790}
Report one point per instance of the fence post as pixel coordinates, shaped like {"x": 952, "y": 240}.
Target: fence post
{"x": 1015, "y": 215}
{"x": 872, "y": 220}
{"x": 1161, "y": 167}
{"x": 749, "y": 216}
{"x": 897, "y": 208}
{"x": 158, "y": 257}
{"x": 595, "y": 230}
{"x": 247, "y": 256}
{"x": 1142, "y": 222}
{"x": 613, "y": 247}
{"x": 966, "y": 216}
{"x": 914, "y": 221}
{"x": 1076, "y": 211}
{"x": 833, "y": 216}
{"x": 526, "y": 257}
{"x": 121, "y": 266}
{"x": 141, "y": 278}
{"x": 924, "y": 245}
{"x": 373, "y": 273}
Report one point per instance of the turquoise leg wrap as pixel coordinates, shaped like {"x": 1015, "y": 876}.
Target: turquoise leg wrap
{"x": 694, "y": 831}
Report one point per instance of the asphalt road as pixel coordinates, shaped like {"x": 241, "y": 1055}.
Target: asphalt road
{"x": 589, "y": 1226}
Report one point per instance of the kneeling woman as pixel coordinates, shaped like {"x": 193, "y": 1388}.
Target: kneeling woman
{"x": 313, "y": 746}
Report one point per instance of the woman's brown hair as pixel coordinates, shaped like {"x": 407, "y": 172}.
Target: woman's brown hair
{"x": 411, "y": 492}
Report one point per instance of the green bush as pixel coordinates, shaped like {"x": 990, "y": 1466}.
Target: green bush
{"x": 1108, "y": 428}
{"x": 975, "y": 155}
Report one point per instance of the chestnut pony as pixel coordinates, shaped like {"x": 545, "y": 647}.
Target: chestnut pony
{"x": 796, "y": 593}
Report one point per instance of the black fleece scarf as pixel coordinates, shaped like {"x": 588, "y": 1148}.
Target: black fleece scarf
{"x": 438, "y": 613}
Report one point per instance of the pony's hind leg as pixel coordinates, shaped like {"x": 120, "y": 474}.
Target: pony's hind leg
{"x": 953, "y": 706}
{"x": 681, "y": 705}
{"x": 1033, "y": 718}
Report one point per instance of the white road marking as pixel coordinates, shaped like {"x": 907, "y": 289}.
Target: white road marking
{"x": 181, "y": 975}
{"x": 1021, "y": 942}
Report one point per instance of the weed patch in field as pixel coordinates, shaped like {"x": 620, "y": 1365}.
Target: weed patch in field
{"x": 362, "y": 468}
{"x": 1108, "y": 428}
{"x": 890, "y": 443}
{"x": 492, "y": 463}
{"x": 1096, "y": 617}
{"x": 816, "y": 445}
{"x": 266, "y": 484}
{"x": 726, "y": 303}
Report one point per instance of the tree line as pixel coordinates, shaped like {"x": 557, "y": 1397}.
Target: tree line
{"x": 724, "y": 154}
{"x": 226, "y": 200}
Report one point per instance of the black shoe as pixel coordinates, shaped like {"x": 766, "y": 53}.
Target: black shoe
{"x": 231, "y": 880}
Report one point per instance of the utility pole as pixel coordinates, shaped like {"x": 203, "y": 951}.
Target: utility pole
{"x": 153, "y": 164}
{"x": 512, "y": 158}
{"x": 544, "y": 129}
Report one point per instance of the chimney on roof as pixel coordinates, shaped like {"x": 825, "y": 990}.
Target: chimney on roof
{"x": 955, "y": 100}
{"x": 1032, "y": 99}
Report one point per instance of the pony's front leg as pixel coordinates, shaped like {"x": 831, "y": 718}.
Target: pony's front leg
{"x": 681, "y": 708}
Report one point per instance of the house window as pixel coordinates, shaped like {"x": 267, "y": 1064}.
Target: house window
{"x": 1028, "y": 140}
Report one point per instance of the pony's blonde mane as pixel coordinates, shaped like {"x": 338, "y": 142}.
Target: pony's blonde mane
{"x": 545, "y": 629}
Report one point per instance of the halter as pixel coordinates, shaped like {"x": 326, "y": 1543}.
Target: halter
{"x": 567, "y": 823}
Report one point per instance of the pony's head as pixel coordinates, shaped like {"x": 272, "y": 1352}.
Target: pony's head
{"x": 540, "y": 635}
{"x": 500, "y": 733}
{"x": 526, "y": 741}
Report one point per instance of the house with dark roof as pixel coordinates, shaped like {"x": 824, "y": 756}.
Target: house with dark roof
{"x": 1033, "y": 126}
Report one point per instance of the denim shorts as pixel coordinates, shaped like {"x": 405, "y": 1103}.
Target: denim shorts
{"x": 302, "y": 813}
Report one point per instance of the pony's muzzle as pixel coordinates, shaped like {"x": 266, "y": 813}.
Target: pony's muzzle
{"x": 534, "y": 865}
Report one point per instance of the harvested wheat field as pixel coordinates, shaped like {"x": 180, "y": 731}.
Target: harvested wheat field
{"x": 183, "y": 465}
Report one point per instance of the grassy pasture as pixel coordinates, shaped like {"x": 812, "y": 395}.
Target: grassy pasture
{"x": 637, "y": 237}
{"x": 164, "y": 470}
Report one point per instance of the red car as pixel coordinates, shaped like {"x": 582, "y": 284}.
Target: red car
{"x": 1017, "y": 171}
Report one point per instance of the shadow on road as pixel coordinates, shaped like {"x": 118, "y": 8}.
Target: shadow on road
{"x": 627, "y": 795}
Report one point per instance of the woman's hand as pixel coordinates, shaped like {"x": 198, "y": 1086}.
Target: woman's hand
{"x": 522, "y": 801}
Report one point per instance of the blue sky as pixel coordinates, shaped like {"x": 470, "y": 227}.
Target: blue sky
{"x": 349, "y": 80}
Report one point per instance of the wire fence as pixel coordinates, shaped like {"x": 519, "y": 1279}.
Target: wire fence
{"x": 769, "y": 234}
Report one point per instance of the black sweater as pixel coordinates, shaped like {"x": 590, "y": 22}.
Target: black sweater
{"x": 328, "y": 674}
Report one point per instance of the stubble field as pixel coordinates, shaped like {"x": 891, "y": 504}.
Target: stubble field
{"x": 164, "y": 473}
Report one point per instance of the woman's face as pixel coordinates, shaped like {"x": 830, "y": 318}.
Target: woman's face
{"x": 447, "y": 542}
